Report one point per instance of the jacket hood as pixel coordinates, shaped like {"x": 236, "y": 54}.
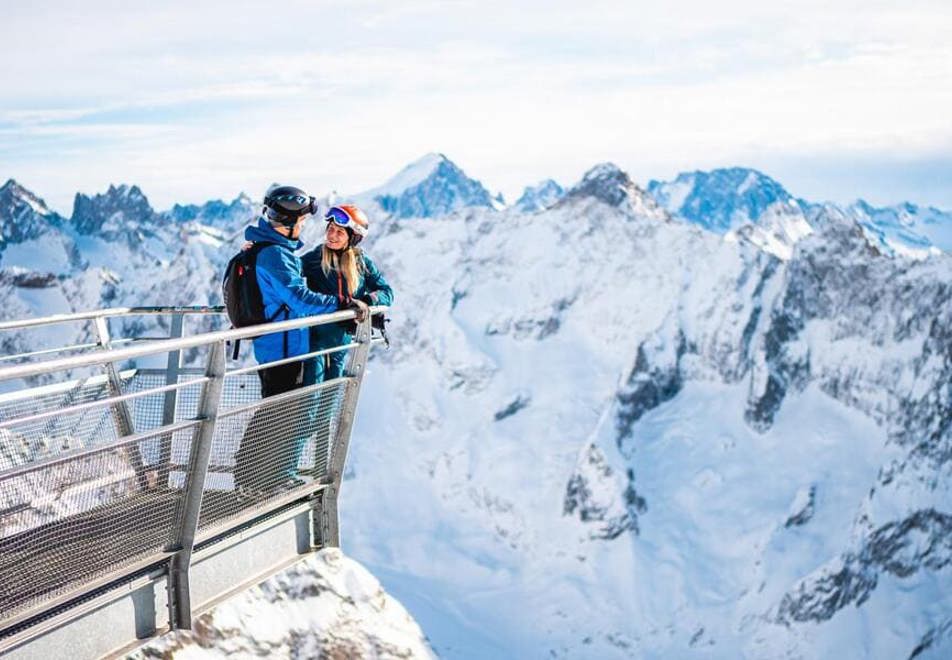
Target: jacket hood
{"x": 263, "y": 232}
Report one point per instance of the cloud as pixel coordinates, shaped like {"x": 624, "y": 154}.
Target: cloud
{"x": 204, "y": 99}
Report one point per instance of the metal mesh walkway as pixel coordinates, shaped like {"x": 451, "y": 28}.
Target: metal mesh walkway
{"x": 106, "y": 474}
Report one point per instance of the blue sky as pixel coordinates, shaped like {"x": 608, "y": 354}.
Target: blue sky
{"x": 198, "y": 100}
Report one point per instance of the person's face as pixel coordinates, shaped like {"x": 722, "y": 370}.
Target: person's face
{"x": 336, "y": 237}
{"x": 295, "y": 232}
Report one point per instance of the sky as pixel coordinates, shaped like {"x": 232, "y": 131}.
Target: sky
{"x": 202, "y": 100}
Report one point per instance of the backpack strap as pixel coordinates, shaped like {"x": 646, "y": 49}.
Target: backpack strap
{"x": 256, "y": 247}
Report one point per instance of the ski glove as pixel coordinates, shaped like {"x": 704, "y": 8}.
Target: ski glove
{"x": 360, "y": 310}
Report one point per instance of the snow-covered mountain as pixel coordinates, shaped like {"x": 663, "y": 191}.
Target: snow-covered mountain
{"x": 122, "y": 211}
{"x": 23, "y": 215}
{"x": 739, "y": 202}
{"x": 628, "y": 436}
{"x": 604, "y": 432}
{"x": 431, "y": 186}
{"x": 230, "y": 216}
{"x": 905, "y": 229}
{"x": 755, "y": 207}
{"x": 31, "y": 235}
{"x": 540, "y": 196}
{"x": 722, "y": 199}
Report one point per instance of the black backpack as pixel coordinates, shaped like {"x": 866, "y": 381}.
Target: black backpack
{"x": 241, "y": 293}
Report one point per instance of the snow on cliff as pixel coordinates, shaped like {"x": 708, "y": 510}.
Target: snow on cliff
{"x": 325, "y": 606}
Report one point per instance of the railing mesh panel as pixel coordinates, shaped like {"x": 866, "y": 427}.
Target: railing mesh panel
{"x": 69, "y": 521}
{"x": 148, "y": 412}
{"x": 261, "y": 454}
{"x": 79, "y": 503}
{"x": 33, "y": 441}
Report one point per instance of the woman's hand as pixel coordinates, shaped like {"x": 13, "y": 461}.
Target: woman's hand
{"x": 246, "y": 246}
{"x": 361, "y": 310}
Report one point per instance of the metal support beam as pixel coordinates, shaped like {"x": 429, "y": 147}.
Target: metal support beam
{"x": 324, "y": 519}
{"x": 121, "y": 408}
{"x": 325, "y": 513}
{"x": 180, "y": 609}
{"x": 170, "y": 402}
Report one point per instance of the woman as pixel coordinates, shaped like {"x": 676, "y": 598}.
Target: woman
{"x": 339, "y": 268}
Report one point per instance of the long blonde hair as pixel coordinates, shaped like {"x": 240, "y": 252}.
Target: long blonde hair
{"x": 348, "y": 262}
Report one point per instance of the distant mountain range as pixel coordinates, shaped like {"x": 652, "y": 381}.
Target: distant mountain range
{"x": 732, "y": 201}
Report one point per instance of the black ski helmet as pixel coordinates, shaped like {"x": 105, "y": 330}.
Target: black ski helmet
{"x": 285, "y": 204}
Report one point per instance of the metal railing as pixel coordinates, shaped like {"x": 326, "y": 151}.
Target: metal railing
{"x": 108, "y": 473}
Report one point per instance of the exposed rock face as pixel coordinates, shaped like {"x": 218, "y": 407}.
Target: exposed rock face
{"x": 120, "y": 210}
{"x": 28, "y": 279}
{"x": 841, "y": 294}
{"x": 23, "y": 215}
{"x": 609, "y": 184}
{"x": 873, "y": 332}
{"x": 593, "y": 494}
{"x": 802, "y": 508}
{"x": 514, "y": 406}
{"x": 652, "y": 381}
{"x": 922, "y": 541}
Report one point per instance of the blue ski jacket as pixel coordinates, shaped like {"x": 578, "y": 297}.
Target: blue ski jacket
{"x": 284, "y": 292}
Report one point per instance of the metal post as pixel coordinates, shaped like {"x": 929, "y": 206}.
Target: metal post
{"x": 326, "y": 520}
{"x": 172, "y": 371}
{"x": 180, "y": 608}
{"x": 121, "y": 408}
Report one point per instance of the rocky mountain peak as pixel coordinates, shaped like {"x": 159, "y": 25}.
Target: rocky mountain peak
{"x": 23, "y": 215}
{"x": 721, "y": 199}
{"x": 431, "y": 186}
{"x": 215, "y": 212}
{"x": 540, "y": 196}
{"x": 120, "y": 208}
{"x": 610, "y": 184}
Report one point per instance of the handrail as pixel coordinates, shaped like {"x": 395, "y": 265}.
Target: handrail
{"x": 166, "y": 345}
{"x": 76, "y": 347}
{"x": 106, "y": 313}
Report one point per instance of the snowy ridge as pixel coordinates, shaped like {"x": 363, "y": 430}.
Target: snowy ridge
{"x": 746, "y": 204}
{"x": 232, "y": 216}
{"x": 431, "y": 186}
{"x": 905, "y": 229}
{"x": 722, "y": 199}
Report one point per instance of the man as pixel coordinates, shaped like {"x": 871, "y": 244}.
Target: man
{"x": 266, "y": 458}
